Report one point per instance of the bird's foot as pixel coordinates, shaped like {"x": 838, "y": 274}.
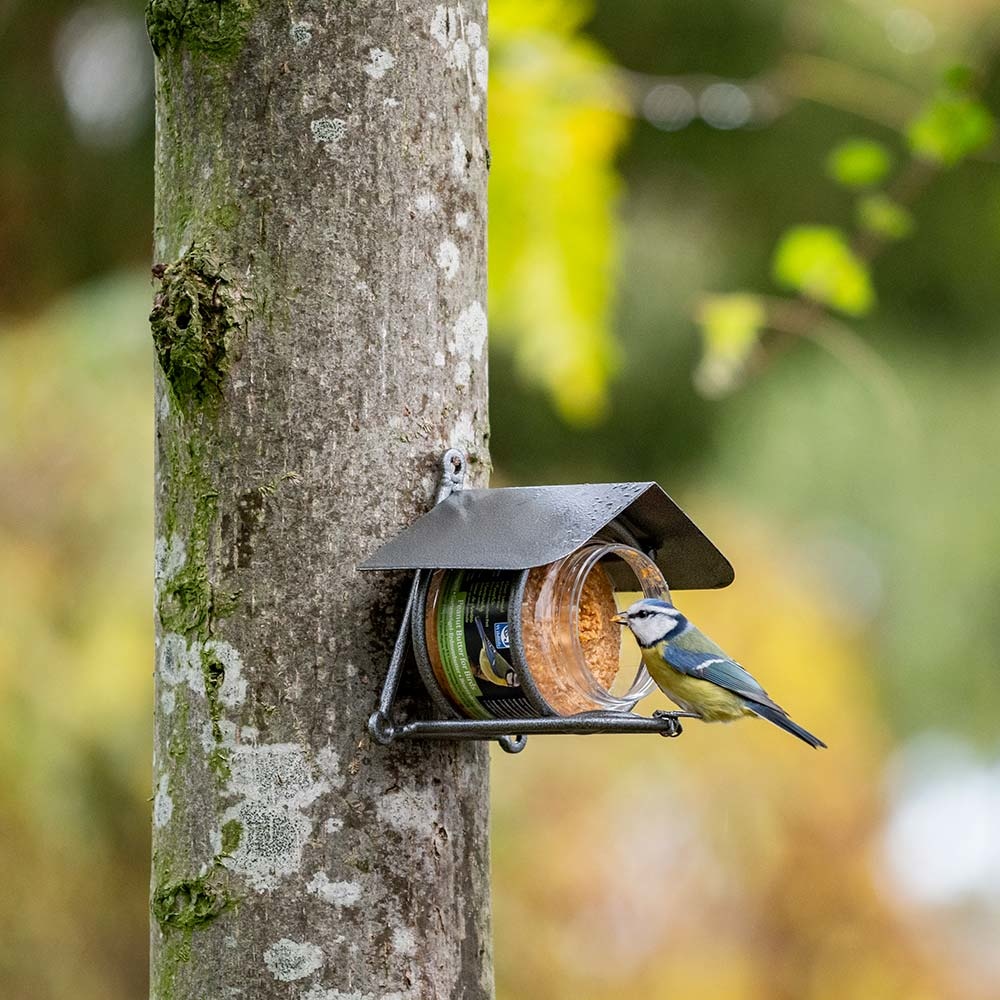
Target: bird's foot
{"x": 674, "y": 727}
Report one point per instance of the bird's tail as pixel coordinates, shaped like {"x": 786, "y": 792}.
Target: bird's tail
{"x": 783, "y": 722}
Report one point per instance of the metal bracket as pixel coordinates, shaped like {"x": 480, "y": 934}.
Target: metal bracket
{"x": 511, "y": 734}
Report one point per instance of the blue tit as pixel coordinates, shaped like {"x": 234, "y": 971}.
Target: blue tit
{"x": 694, "y": 673}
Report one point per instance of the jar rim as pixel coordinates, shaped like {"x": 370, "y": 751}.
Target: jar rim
{"x": 651, "y": 582}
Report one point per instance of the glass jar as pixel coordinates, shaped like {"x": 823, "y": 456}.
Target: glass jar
{"x": 511, "y": 644}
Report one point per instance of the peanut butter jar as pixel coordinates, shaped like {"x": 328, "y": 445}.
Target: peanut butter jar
{"x": 513, "y": 644}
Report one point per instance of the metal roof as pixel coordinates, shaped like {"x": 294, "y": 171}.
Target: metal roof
{"x": 520, "y": 527}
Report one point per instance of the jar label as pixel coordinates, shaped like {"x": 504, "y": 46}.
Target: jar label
{"x": 474, "y": 641}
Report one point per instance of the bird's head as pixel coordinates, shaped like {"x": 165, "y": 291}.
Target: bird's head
{"x": 650, "y": 620}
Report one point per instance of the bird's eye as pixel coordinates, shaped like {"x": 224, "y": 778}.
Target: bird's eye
{"x": 642, "y": 614}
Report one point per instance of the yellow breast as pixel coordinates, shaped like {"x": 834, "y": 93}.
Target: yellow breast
{"x": 711, "y": 702}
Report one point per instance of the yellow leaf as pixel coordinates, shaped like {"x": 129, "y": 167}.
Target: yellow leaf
{"x": 730, "y": 329}
{"x": 556, "y": 124}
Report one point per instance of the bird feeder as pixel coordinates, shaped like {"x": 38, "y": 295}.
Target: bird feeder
{"x": 509, "y": 613}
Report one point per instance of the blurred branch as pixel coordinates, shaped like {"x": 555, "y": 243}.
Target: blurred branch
{"x": 798, "y": 77}
{"x": 800, "y": 318}
{"x": 829, "y": 270}
{"x": 761, "y": 103}
{"x": 905, "y": 189}
{"x": 801, "y": 76}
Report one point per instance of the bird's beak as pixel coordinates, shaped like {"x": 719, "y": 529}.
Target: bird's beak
{"x": 620, "y": 619}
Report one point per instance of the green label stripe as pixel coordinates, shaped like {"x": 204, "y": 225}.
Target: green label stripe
{"x": 451, "y": 641}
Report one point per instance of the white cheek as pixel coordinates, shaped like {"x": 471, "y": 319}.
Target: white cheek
{"x": 643, "y": 631}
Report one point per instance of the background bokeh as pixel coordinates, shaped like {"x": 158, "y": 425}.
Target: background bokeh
{"x": 693, "y": 280}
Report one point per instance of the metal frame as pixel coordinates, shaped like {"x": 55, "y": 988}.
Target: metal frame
{"x": 511, "y": 734}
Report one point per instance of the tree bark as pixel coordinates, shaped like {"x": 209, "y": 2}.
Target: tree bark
{"x": 319, "y": 324}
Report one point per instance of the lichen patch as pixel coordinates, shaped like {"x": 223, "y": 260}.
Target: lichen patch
{"x": 334, "y": 893}
{"x": 404, "y": 941}
{"x": 276, "y": 773}
{"x": 232, "y": 690}
{"x": 463, "y": 49}
{"x": 329, "y": 133}
{"x": 163, "y": 804}
{"x": 448, "y": 258}
{"x": 318, "y": 992}
{"x": 444, "y": 26}
{"x": 275, "y": 783}
{"x": 458, "y": 55}
{"x": 288, "y": 960}
{"x": 169, "y": 555}
{"x": 463, "y": 432}
{"x": 379, "y": 63}
{"x": 300, "y": 33}
{"x": 481, "y": 66}
{"x": 329, "y": 763}
{"x": 425, "y": 203}
{"x": 469, "y": 333}
{"x": 459, "y": 156}
{"x": 179, "y": 664}
{"x": 407, "y": 810}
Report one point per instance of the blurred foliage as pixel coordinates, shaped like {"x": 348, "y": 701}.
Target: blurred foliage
{"x": 725, "y": 864}
{"x": 731, "y": 863}
{"x": 818, "y": 262}
{"x": 950, "y": 128}
{"x": 903, "y": 530}
{"x": 730, "y": 327}
{"x": 879, "y": 215}
{"x": 61, "y": 221}
{"x": 555, "y": 127}
{"x": 831, "y": 269}
{"x": 75, "y": 653}
{"x": 859, "y": 163}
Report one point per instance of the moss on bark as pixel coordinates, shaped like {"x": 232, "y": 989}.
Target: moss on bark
{"x": 188, "y": 904}
{"x": 188, "y": 602}
{"x": 215, "y": 27}
{"x": 196, "y": 315}
{"x": 214, "y": 672}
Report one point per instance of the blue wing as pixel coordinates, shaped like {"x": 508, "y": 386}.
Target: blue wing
{"x": 694, "y": 654}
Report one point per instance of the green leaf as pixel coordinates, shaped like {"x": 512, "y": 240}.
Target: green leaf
{"x": 950, "y": 128}
{"x": 880, "y": 215}
{"x": 730, "y": 328}
{"x": 859, "y": 163}
{"x": 817, "y": 262}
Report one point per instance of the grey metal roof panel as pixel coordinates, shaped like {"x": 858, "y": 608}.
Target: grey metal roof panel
{"x": 524, "y": 526}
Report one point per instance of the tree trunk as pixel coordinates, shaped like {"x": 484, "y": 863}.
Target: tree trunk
{"x": 321, "y": 338}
